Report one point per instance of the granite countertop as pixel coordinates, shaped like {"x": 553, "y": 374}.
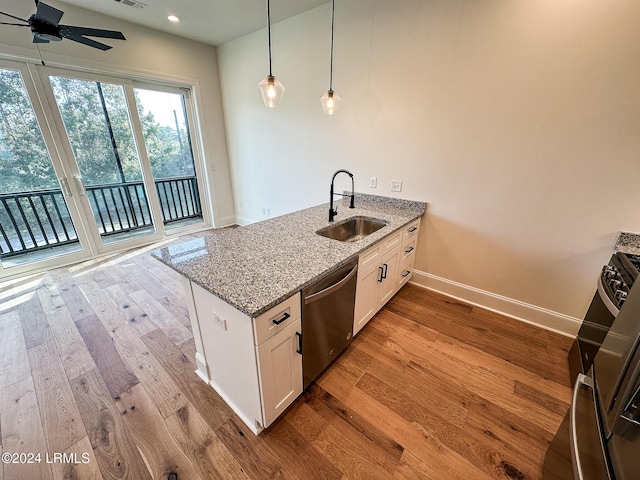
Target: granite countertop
{"x": 628, "y": 243}
{"x": 257, "y": 266}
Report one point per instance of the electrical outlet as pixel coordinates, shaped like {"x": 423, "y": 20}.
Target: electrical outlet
{"x": 396, "y": 185}
{"x": 268, "y": 211}
{"x": 373, "y": 182}
{"x": 221, "y": 322}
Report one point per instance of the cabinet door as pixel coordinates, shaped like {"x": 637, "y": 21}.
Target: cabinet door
{"x": 388, "y": 286}
{"x": 280, "y": 371}
{"x": 366, "y": 297}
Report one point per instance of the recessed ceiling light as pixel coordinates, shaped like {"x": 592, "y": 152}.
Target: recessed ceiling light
{"x": 173, "y": 18}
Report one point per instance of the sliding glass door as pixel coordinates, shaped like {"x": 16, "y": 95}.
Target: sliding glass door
{"x": 111, "y": 168}
{"x": 165, "y": 128}
{"x": 110, "y": 179}
{"x": 36, "y": 223}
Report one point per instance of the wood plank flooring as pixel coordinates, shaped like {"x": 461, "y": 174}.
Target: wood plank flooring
{"x": 97, "y": 362}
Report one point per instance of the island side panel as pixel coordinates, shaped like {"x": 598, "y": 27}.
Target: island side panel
{"x": 228, "y": 347}
{"x": 202, "y": 369}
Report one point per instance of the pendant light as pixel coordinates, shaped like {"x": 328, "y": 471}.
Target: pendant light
{"x": 270, "y": 88}
{"x": 330, "y": 100}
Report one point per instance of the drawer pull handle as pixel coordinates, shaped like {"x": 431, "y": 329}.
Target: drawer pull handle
{"x": 409, "y": 250}
{"x": 299, "y": 350}
{"x": 380, "y": 278}
{"x": 412, "y": 229}
{"x": 407, "y": 273}
{"x": 384, "y": 274}
{"x": 284, "y": 317}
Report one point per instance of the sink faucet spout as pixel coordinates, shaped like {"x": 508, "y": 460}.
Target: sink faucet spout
{"x": 334, "y": 211}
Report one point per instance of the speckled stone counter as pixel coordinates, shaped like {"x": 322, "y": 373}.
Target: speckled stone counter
{"x": 628, "y": 243}
{"x": 257, "y": 266}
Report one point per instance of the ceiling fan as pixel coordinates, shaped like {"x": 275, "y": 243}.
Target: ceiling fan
{"x": 44, "y": 25}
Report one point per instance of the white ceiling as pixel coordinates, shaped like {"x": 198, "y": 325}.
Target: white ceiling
{"x": 208, "y": 21}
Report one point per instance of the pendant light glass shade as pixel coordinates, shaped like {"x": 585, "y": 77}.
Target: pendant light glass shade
{"x": 330, "y": 102}
{"x": 270, "y": 88}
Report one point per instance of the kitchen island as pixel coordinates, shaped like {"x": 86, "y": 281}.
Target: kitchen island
{"x": 243, "y": 292}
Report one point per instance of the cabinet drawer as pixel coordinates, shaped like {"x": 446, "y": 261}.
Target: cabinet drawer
{"x": 392, "y": 241}
{"x": 369, "y": 257}
{"x": 408, "y": 249}
{"x": 405, "y": 272}
{"x": 411, "y": 230}
{"x": 277, "y": 318}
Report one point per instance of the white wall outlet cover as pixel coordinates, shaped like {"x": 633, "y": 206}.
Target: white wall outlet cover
{"x": 396, "y": 185}
{"x": 373, "y": 182}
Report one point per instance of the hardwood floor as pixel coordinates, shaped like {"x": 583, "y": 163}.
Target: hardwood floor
{"x": 97, "y": 362}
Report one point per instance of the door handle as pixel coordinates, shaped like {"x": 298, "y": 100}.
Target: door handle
{"x": 299, "y": 350}
{"x": 65, "y": 186}
{"x": 384, "y": 275}
{"x": 80, "y": 184}
{"x": 380, "y": 277}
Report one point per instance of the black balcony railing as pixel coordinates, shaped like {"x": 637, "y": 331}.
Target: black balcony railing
{"x": 31, "y": 221}
{"x": 179, "y": 198}
{"x": 119, "y": 207}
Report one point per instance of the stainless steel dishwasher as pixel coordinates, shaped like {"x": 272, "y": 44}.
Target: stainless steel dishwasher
{"x": 327, "y": 319}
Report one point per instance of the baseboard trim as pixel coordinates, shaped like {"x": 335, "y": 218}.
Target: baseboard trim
{"x": 225, "y": 221}
{"x": 525, "y": 312}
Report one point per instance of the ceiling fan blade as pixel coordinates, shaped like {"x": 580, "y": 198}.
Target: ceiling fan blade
{"x": 86, "y": 41}
{"x": 90, "y": 32}
{"x": 14, "y": 17}
{"x": 48, "y": 14}
{"x": 15, "y": 24}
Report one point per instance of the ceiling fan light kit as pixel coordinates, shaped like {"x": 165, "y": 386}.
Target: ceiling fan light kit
{"x": 270, "y": 87}
{"x": 45, "y": 27}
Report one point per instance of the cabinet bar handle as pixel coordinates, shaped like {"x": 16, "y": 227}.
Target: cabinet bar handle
{"x": 406, "y": 274}
{"x": 380, "y": 278}
{"x": 284, "y": 317}
{"x": 412, "y": 229}
{"x": 299, "y": 350}
{"x": 384, "y": 275}
{"x": 409, "y": 250}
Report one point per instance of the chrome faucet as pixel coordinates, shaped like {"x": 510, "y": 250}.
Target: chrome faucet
{"x": 334, "y": 211}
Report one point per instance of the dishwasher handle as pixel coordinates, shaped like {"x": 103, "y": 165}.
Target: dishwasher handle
{"x": 329, "y": 290}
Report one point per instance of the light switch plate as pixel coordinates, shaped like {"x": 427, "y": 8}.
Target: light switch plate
{"x": 396, "y": 185}
{"x": 373, "y": 182}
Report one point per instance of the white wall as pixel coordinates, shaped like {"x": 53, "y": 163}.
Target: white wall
{"x": 145, "y": 54}
{"x": 517, "y": 121}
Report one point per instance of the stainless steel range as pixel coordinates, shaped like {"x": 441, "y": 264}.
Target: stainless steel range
{"x": 614, "y": 285}
{"x": 600, "y": 436}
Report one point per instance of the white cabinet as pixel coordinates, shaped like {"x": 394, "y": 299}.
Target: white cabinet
{"x": 278, "y": 334}
{"x": 280, "y": 371}
{"x": 382, "y": 270}
{"x": 254, "y": 364}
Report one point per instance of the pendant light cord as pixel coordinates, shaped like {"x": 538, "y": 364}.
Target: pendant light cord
{"x": 269, "y": 33}
{"x": 333, "y": 17}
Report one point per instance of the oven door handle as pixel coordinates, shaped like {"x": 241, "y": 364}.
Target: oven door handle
{"x": 606, "y": 300}
{"x": 581, "y": 382}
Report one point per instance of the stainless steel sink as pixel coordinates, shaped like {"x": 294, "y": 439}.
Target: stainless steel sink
{"x": 352, "y": 229}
